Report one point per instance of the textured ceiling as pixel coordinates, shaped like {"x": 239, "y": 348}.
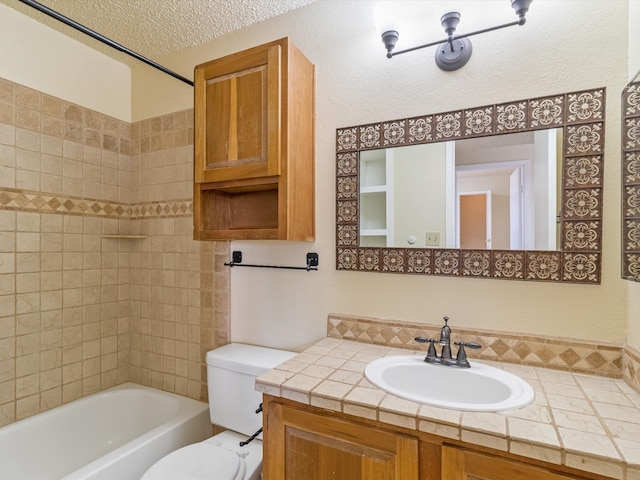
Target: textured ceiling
{"x": 154, "y": 28}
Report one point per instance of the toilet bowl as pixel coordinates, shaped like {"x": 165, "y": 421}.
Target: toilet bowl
{"x": 233, "y": 404}
{"x": 219, "y": 457}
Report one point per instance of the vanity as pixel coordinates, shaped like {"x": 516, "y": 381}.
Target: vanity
{"x": 323, "y": 419}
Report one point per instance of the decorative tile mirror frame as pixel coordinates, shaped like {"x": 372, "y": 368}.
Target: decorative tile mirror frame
{"x": 581, "y": 114}
{"x": 631, "y": 181}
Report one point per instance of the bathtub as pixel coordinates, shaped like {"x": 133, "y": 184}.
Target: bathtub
{"x": 112, "y": 435}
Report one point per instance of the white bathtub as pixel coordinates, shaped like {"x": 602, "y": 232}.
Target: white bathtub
{"x": 112, "y": 435}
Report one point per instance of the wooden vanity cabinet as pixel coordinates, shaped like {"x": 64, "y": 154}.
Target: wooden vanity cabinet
{"x": 303, "y": 442}
{"x": 305, "y": 445}
{"x": 463, "y": 464}
{"x": 254, "y": 145}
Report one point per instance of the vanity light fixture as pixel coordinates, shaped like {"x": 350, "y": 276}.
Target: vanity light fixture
{"x": 454, "y": 52}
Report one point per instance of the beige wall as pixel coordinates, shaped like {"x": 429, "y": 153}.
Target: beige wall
{"x": 633, "y": 312}
{"x": 41, "y": 58}
{"x": 634, "y": 37}
{"x": 565, "y": 46}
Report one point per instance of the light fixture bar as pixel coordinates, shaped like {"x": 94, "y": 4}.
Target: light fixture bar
{"x": 391, "y": 54}
{"x": 107, "y": 41}
{"x": 459, "y": 47}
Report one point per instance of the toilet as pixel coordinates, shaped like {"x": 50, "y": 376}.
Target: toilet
{"x": 233, "y": 401}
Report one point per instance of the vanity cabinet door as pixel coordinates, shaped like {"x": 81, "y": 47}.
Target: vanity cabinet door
{"x": 461, "y": 464}
{"x": 302, "y": 445}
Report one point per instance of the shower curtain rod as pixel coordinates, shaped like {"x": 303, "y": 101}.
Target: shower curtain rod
{"x": 92, "y": 33}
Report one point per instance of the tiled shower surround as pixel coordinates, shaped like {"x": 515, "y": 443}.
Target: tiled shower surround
{"x": 78, "y": 312}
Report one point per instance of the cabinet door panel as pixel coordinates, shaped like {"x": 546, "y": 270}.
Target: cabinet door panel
{"x": 460, "y": 464}
{"x": 237, "y": 138}
{"x": 304, "y": 445}
{"x": 314, "y": 456}
{"x": 238, "y": 130}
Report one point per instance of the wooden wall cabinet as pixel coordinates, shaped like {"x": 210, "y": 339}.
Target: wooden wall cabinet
{"x": 254, "y": 145}
{"x": 303, "y": 442}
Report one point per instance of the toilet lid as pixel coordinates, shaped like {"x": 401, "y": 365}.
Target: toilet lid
{"x": 198, "y": 462}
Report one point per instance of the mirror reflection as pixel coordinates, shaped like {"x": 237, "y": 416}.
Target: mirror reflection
{"x": 499, "y": 192}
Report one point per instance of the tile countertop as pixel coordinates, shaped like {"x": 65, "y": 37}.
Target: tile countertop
{"x": 586, "y": 422}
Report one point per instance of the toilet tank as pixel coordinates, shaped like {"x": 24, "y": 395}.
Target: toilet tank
{"x": 231, "y": 374}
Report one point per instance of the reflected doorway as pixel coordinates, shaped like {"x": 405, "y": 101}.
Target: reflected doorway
{"x": 475, "y": 220}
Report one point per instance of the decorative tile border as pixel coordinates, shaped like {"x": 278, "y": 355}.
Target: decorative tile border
{"x": 581, "y": 114}
{"x": 172, "y": 208}
{"x": 631, "y": 182}
{"x": 40, "y": 202}
{"x": 631, "y": 367}
{"x": 583, "y": 357}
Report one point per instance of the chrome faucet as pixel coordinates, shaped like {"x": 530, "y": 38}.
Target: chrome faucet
{"x": 445, "y": 357}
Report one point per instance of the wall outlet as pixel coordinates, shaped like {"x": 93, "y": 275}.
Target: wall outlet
{"x": 432, "y": 239}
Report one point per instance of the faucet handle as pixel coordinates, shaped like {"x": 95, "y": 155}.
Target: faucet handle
{"x": 431, "y": 351}
{"x": 461, "y": 357}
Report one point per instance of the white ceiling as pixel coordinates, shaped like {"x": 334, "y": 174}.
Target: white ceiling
{"x": 154, "y": 28}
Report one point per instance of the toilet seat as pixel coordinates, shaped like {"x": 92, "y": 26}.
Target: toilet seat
{"x": 199, "y": 461}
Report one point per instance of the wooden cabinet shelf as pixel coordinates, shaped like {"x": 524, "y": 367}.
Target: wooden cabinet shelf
{"x": 254, "y": 145}
{"x": 244, "y": 214}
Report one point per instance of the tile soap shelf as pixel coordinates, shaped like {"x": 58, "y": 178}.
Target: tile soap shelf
{"x": 124, "y": 236}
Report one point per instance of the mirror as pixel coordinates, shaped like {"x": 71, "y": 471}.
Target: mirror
{"x": 569, "y": 248}
{"x": 631, "y": 181}
{"x": 498, "y": 192}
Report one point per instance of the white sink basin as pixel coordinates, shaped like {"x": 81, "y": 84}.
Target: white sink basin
{"x": 480, "y": 388}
